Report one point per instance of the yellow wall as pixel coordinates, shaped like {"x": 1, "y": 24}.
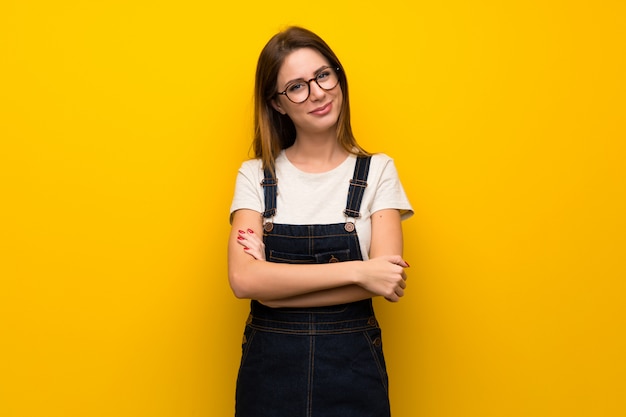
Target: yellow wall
{"x": 122, "y": 126}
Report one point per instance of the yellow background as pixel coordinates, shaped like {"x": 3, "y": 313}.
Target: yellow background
{"x": 122, "y": 127}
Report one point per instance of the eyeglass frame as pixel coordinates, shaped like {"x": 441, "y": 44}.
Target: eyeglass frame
{"x": 308, "y": 83}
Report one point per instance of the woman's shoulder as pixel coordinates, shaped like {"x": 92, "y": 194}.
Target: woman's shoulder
{"x": 380, "y": 160}
{"x": 250, "y": 171}
{"x": 382, "y": 166}
{"x": 380, "y": 157}
{"x": 251, "y": 166}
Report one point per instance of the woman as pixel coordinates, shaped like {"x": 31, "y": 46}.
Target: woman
{"x": 315, "y": 235}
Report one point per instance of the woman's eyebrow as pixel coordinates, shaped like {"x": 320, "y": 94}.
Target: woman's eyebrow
{"x": 315, "y": 73}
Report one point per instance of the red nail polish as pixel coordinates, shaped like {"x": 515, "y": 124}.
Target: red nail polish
{"x": 246, "y": 248}
{"x": 250, "y": 231}
{"x": 240, "y": 238}
{"x": 241, "y": 231}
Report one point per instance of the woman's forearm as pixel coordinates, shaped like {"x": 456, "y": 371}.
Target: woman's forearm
{"x": 333, "y": 296}
{"x": 262, "y": 280}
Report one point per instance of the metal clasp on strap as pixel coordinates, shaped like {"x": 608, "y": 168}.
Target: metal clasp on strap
{"x": 269, "y": 185}
{"x": 358, "y": 183}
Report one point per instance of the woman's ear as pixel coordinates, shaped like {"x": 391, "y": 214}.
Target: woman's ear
{"x": 277, "y": 107}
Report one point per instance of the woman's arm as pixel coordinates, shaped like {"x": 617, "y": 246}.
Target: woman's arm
{"x": 386, "y": 240}
{"x": 330, "y": 297}
{"x": 250, "y": 278}
{"x": 386, "y": 233}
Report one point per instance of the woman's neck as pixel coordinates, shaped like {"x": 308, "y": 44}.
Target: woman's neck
{"x": 316, "y": 153}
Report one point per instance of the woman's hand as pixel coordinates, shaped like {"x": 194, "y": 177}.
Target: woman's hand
{"x": 384, "y": 276}
{"x": 252, "y": 244}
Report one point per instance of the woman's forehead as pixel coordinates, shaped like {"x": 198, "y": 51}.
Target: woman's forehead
{"x": 301, "y": 63}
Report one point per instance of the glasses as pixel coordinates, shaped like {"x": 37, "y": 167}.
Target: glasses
{"x": 299, "y": 90}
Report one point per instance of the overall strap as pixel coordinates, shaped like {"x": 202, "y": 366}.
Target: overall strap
{"x": 357, "y": 187}
{"x": 269, "y": 190}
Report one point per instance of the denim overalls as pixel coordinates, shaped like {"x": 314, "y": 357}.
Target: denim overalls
{"x": 318, "y": 361}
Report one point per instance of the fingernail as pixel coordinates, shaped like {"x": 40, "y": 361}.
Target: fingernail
{"x": 250, "y": 231}
{"x": 246, "y": 248}
{"x": 241, "y": 231}
{"x": 240, "y": 238}
{"x": 407, "y": 264}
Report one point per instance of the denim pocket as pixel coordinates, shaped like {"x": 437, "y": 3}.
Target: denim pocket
{"x": 334, "y": 256}
{"x": 340, "y": 255}
{"x": 290, "y": 258}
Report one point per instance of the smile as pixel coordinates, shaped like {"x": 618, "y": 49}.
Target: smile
{"x": 321, "y": 111}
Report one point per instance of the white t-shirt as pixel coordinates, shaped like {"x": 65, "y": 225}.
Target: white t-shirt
{"x": 320, "y": 198}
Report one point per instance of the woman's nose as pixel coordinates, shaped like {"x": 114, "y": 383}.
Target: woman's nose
{"x": 316, "y": 92}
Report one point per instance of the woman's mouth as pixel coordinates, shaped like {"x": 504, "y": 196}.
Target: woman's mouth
{"x": 321, "y": 111}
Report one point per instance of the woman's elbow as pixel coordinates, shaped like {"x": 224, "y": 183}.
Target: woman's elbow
{"x": 238, "y": 285}
{"x": 238, "y": 293}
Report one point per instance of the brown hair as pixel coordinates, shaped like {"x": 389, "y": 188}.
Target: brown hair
{"x": 273, "y": 131}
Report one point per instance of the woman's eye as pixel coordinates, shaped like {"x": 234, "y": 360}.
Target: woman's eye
{"x": 296, "y": 87}
{"x": 323, "y": 75}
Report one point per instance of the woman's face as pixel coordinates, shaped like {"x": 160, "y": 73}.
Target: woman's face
{"x": 320, "y": 112}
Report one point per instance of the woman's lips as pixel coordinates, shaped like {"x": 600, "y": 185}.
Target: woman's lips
{"x": 321, "y": 111}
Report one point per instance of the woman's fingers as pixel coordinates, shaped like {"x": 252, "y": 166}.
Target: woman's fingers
{"x": 397, "y": 259}
{"x": 385, "y": 276}
{"x": 252, "y": 244}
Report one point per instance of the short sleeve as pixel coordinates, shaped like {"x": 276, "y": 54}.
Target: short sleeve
{"x": 248, "y": 191}
{"x": 389, "y": 191}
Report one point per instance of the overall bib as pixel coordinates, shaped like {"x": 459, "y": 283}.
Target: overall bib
{"x": 317, "y": 361}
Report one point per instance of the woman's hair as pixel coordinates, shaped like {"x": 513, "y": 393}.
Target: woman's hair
{"x": 274, "y": 131}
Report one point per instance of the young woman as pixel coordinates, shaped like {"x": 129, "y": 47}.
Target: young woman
{"x": 315, "y": 235}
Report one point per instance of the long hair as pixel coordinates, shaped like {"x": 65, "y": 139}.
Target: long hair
{"x": 274, "y": 131}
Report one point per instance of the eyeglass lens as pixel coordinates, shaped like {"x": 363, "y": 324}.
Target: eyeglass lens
{"x": 299, "y": 91}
